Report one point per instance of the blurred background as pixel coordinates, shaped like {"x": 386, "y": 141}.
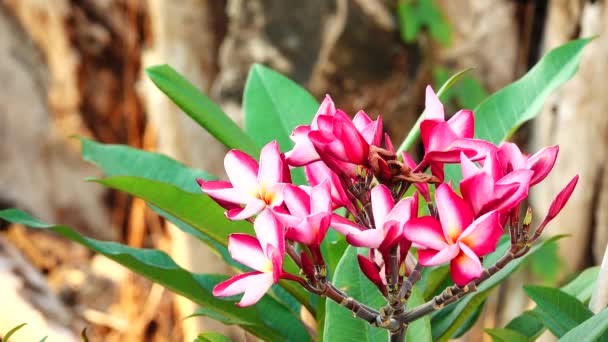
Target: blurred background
{"x": 75, "y": 67}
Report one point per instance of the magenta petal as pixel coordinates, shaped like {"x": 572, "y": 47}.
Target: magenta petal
{"x": 425, "y": 231}
{"x": 492, "y": 166}
{"x": 252, "y": 207}
{"x": 511, "y": 157}
{"x": 469, "y": 169}
{"x": 303, "y": 152}
{"x": 403, "y": 211}
{"x": 561, "y": 199}
{"x": 430, "y": 257}
{"x": 361, "y": 120}
{"x": 454, "y": 212}
{"x": 462, "y": 123}
{"x": 355, "y": 146}
{"x": 542, "y": 163}
{"x": 522, "y": 178}
{"x": 439, "y": 137}
{"x": 296, "y": 200}
{"x": 474, "y": 149}
{"x": 344, "y": 226}
{"x": 465, "y": 266}
{"x": 370, "y": 270}
{"x": 242, "y": 170}
{"x": 483, "y": 234}
{"x": 246, "y": 249}
{"x": 320, "y": 198}
{"x": 371, "y": 238}
{"x": 327, "y": 108}
{"x": 434, "y": 108}
{"x": 271, "y": 165}
{"x": 382, "y": 203}
{"x": 477, "y": 190}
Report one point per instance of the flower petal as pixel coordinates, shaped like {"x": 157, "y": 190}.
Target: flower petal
{"x": 483, "y": 234}
{"x": 225, "y": 194}
{"x": 477, "y": 190}
{"x": 492, "y": 166}
{"x": 327, "y": 108}
{"x": 542, "y": 163}
{"x": 425, "y": 231}
{"x": 269, "y": 231}
{"x": 382, "y": 203}
{"x": 252, "y": 207}
{"x": 510, "y": 157}
{"x": 434, "y": 108}
{"x": 431, "y": 257}
{"x": 403, "y": 211}
{"x": 254, "y": 287}
{"x": 246, "y": 249}
{"x": 468, "y": 167}
{"x": 320, "y": 198}
{"x": 465, "y": 266}
{"x": 454, "y": 212}
{"x": 303, "y": 152}
{"x": 370, "y": 238}
{"x": 296, "y": 200}
{"x": 344, "y": 226}
{"x": 242, "y": 170}
{"x": 271, "y": 165}
{"x": 462, "y": 123}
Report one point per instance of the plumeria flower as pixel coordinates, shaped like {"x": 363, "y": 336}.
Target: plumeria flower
{"x": 541, "y": 163}
{"x": 264, "y": 255}
{"x": 309, "y": 215}
{"x": 445, "y": 140}
{"x": 318, "y": 172}
{"x": 487, "y": 189}
{"x": 423, "y": 188}
{"x": 456, "y": 237}
{"x": 389, "y": 219}
{"x": 252, "y": 185}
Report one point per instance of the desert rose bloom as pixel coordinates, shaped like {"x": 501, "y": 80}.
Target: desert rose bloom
{"x": 264, "y": 255}
{"x": 389, "y": 219}
{"x": 456, "y": 237}
{"x": 252, "y": 185}
{"x": 541, "y": 163}
{"x": 487, "y": 189}
{"x": 309, "y": 214}
{"x": 445, "y": 140}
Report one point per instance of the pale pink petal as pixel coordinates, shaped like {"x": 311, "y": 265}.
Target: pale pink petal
{"x": 216, "y": 191}
{"x": 372, "y": 133}
{"x": 242, "y": 170}
{"x": 254, "y": 288}
{"x": 324, "y": 124}
{"x": 271, "y": 165}
{"x": 483, "y": 234}
{"x": 462, "y": 123}
{"x": 296, "y": 200}
{"x": 303, "y": 152}
{"x": 320, "y": 198}
{"x": 361, "y": 120}
{"x": 454, "y": 212}
{"x": 234, "y": 285}
{"x": 465, "y": 266}
{"x": 303, "y": 233}
{"x": 403, "y": 211}
{"x": 327, "y": 108}
{"x": 274, "y": 195}
{"x": 425, "y": 231}
{"x": 434, "y": 108}
{"x": 246, "y": 249}
{"x": 268, "y": 230}
{"x": 286, "y": 218}
{"x": 344, "y": 226}
{"x": 430, "y": 257}
{"x": 542, "y": 163}
{"x": 371, "y": 238}
{"x": 382, "y": 203}
{"x": 252, "y": 207}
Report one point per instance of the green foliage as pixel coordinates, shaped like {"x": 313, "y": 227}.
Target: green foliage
{"x": 11, "y": 332}
{"x": 593, "y": 329}
{"x": 545, "y": 264}
{"x": 419, "y": 330}
{"x": 160, "y": 268}
{"x": 468, "y": 93}
{"x": 212, "y": 337}
{"x": 559, "y": 311}
{"x": 417, "y": 14}
{"x": 506, "y": 335}
{"x": 339, "y": 322}
{"x": 201, "y": 109}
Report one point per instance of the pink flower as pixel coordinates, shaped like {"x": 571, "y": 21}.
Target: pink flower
{"x": 423, "y": 188}
{"x": 456, "y": 237}
{"x": 541, "y": 163}
{"x": 252, "y": 185}
{"x": 309, "y": 215}
{"x": 444, "y": 141}
{"x": 318, "y": 172}
{"x": 389, "y": 219}
{"x": 487, "y": 189}
{"x": 264, "y": 255}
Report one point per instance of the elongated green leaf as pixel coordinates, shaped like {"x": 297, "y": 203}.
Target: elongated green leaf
{"x": 443, "y": 326}
{"x": 339, "y": 322}
{"x": 501, "y": 114}
{"x": 506, "y": 335}
{"x": 201, "y": 109}
{"x": 212, "y": 337}
{"x": 433, "y": 278}
{"x": 43, "y": 339}
{"x": 530, "y": 324}
{"x": 198, "y": 211}
{"x": 419, "y": 330}
{"x": 559, "y": 311}
{"x": 12, "y": 332}
{"x": 593, "y": 329}
{"x": 468, "y": 324}
{"x": 414, "y": 133}
{"x": 160, "y": 268}
{"x": 274, "y": 105}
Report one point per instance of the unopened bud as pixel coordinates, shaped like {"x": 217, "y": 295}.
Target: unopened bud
{"x": 561, "y": 199}
{"x": 370, "y": 270}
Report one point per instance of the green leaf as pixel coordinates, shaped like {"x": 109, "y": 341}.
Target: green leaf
{"x": 559, "y": 311}
{"x": 159, "y": 267}
{"x": 414, "y": 133}
{"x": 433, "y": 278}
{"x": 228, "y": 320}
{"x": 212, "y": 337}
{"x": 422, "y": 13}
{"x": 506, "y": 335}
{"x": 530, "y": 324}
{"x": 443, "y": 326}
{"x": 501, "y": 114}
{"x": 468, "y": 324}
{"x": 339, "y": 322}
{"x": 201, "y": 109}
{"x": 545, "y": 264}
{"x": 43, "y": 339}
{"x": 274, "y": 105}
{"x": 13, "y": 330}
{"x": 419, "y": 330}
{"x": 593, "y": 329}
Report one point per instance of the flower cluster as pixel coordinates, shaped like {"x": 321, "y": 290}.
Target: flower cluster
{"x": 352, "y": 164}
